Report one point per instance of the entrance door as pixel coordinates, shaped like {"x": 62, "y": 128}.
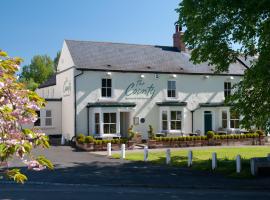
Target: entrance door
{"x": 207, "y": 121}
{"x": 124, "y": 123}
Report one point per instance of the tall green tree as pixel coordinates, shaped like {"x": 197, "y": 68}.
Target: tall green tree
{"x": 39, "y": 70}
{"x": 56, "y": 60}
{"x": 215, "y": 28}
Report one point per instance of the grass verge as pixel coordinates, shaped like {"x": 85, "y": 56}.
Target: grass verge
{"x": 202, "y": 158}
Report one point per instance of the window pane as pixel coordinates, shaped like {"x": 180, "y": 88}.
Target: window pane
{"x": 109, "y": 82}
{"x": 173, "y": 125}
{"x": 106, "y": 117}
{"x": 113, "y": 118}
{"x": 48, "y": 122}
{"x": 169, "y": 93}
{"x": 106, "y": 128}
{"x": 109, "y": 92}
{"x": 173, "y": 115}
{"x": 236, "y": 123}
{"x": 103, "y": 92}
{"x": 164, "y": 115}
{"x": 224, "y": 123}
{"x": 179, "y": 115}
{"x": 103, "y": 83}
{"x": 38, "y": 113}
{"x": 164, "y": 125}
{"x": 173, "y": 93}
{"x": 169, "y": 85}
{"x": 112, "y": 128}
{"x": 224, "y": 114}
{"x": 178, "y": 125}
{"x": 37, "y": 123}
{"x": 173, "y": 85}
{"x": 232, "y": 123}
{"x": 48, "y": 113}
{"x": 97, "y": 128}
{"x": 97, "y": 118}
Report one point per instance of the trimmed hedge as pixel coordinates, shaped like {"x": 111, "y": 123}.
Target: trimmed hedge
{"x": 215, "y": 137}
{"x": 82, "y": 139}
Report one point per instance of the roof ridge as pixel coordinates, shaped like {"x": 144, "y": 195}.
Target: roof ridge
{"x": 122, "y": 43}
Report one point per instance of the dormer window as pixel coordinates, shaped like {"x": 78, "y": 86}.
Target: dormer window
{"x": 106, "y": 87}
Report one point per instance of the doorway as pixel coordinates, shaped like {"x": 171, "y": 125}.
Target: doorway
{"x": 207, "y": 121}
{"x": 124, "y": 123}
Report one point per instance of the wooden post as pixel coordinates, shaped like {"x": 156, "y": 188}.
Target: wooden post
{"x": 123, "y": 151}
{"x": 168, "y": 156}
{"x": 109, "y": 149}
{"x": 145, "y": 153}
{"x": 214, "y": 161}
{"x": 238, "y": 164}
{"x": 190, "y": 156}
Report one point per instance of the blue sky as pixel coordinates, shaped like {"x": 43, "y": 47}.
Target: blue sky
{"x": 32, "y": 27}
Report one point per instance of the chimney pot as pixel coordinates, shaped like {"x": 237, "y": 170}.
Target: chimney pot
{"x": 178, "y": 38}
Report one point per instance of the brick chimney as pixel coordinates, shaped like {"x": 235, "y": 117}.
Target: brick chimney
{"x": 178, "y": 38}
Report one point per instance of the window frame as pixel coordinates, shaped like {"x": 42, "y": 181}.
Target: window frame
{"x": 227, "y": 89}
{"x": 170, "y": 89}
{"x": 176, "y": 120}
{"x": 97, "y": 123}
{"x": 48, "y": 117}
{"x": 234, "y": 120}
{"x": 110, "y": 123}
{"x": 164, "y": 120}
{"x": 224, "y": 119}
{"x": 106, "y": 88}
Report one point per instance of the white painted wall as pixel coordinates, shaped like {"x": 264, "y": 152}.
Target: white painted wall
{"x": 193, "y": 89}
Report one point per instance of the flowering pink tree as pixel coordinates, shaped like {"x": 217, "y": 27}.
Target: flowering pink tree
{"x": 18, "y": 108}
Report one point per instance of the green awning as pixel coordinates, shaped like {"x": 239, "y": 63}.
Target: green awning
{"x": 111, "y": 104}
{"x": 171, "y": 103}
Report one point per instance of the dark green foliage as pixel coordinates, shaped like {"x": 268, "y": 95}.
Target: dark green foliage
{"x": 213, "y": 27}
{"x": 89, "y": 139}
{"x": 210, "y": 134}
{"x": 151, "y": 133}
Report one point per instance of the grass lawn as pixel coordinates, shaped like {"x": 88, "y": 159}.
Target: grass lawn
{"x": 202, "y": 158}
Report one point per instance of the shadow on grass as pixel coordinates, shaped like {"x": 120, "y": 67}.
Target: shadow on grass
{"x": 225, "y": 166}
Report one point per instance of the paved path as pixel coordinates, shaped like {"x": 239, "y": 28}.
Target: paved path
{"x": 85, "y": 173}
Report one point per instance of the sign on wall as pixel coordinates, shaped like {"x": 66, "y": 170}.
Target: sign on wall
{"x": 139, "y": 89}
{"x": 66, "y": 87}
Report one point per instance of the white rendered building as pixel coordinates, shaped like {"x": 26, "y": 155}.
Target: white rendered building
{"x": 102, "y": 88}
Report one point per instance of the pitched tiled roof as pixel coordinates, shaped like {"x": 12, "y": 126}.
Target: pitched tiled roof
{"x": 50, "y": 82}
{"x": 138, "y": 58}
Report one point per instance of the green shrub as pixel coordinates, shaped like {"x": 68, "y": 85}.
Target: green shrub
{"x": 151, "y": 133}
{"x": 97, "y": 142}
{"x": 80, "y": 138}
{"x": 210, "y": 134}
{"x": 260, "y": 133}
{"x": 89, "y": 139}
{"x": 131, "y": 133}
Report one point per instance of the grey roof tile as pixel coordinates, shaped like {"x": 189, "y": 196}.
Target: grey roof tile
{"x": 138, "y": 58}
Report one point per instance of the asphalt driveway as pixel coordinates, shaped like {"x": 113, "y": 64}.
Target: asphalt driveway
{"x": 82, "y": 171}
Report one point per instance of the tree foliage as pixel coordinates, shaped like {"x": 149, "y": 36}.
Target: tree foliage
{"x": 18, "y": 108}
{"x": 221, "y": 31}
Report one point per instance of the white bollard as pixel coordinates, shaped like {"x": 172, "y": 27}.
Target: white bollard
{"x": 252, "y": 167}
{"x": 63, "y": 140}
{"x": 214, "y": 161}
{"x": 123, "y": 151}
{"x": 190, "y": 156}
{"x": 168, "y": 156}
{"x": 145, "y": 154}
{"x": 109, "y": 149}
{"x": 238, "y": 164}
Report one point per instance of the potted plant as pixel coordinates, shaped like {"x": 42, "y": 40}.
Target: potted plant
{"x": 89, "y": 143}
